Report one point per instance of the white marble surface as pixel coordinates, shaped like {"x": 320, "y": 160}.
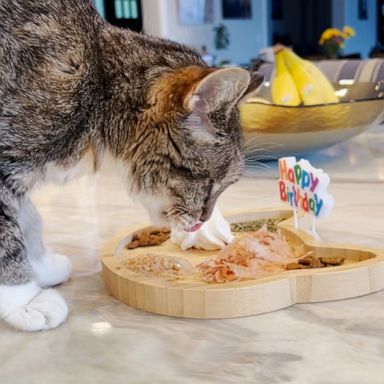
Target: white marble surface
{"x": 104, "y": 341}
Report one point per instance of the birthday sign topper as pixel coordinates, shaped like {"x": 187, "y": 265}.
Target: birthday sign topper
{"x": 304, "y": 187}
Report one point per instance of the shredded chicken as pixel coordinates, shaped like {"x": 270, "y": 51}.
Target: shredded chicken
{"x": 251, "y": 256}
{"x": 167, "y": 267}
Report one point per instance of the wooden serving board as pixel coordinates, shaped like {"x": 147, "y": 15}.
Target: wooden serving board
{"x": 361, "y": 274}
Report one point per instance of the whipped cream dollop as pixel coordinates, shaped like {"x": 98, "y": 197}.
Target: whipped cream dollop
{"x": 213, "y": 234}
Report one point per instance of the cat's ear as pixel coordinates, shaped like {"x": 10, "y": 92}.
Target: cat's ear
{"x": 221, "y": 87}
{"x": 257, "y": 79}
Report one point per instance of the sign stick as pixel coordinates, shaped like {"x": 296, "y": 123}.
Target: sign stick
{"x": 295, "y": 218}
{"x": 313, "y": 225}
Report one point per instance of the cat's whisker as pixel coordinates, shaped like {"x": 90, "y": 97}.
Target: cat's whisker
{"x": 262, "y": 147}
{"x": 258, "y": 164}
{"x": 262, "y": 155}
{"x": 264, "y": 161}
{"x": 253, "y": 146}
{"x": 257, "y": 153}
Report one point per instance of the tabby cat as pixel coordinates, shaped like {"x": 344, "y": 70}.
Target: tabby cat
{"x": 74, "y": 90}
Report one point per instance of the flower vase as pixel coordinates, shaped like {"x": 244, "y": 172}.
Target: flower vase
{"x": 332, "y": 50}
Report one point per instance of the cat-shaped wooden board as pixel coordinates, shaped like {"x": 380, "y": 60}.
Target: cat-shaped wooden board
{"x": 362, "y": 273}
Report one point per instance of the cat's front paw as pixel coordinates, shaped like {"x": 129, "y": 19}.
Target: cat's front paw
{"x": 52, "y": 269}
{"x": 28, "y": 308}
{"x": 213, "y": 234}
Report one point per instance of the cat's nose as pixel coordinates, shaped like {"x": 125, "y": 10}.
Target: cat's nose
{"x": 206, "y": 214}
{"x": 208, "y": 207}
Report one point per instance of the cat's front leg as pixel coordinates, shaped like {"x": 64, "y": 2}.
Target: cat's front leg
{"x": 213, "y": 234}
{"x": 23, "y": 303}
{"x": 49, "y": 268}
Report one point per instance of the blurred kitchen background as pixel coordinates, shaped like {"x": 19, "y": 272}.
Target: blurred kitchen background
{"x": 239, "y": 32}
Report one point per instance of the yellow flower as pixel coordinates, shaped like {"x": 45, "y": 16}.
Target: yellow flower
{"x": 332, "y": 33}
{"x": 349, "y": 31}
{"x": 344, "y": 35}
{"x": 329, "y": 33}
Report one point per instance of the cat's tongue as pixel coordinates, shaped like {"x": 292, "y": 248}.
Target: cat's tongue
{"x": 195, "y": 227}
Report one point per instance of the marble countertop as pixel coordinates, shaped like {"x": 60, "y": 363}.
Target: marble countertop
{"x": 104, "y": 341}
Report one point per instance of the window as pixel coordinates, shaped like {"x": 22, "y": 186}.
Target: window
{"x": 126, "y": 9}
{"x": 124, "y": 13}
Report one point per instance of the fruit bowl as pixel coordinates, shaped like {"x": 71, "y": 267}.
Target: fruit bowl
{"x": 298, "y": 130}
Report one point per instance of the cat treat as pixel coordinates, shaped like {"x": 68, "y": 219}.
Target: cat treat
{"x": 263, "y": 269}
{"x": 315, "y": 262}
{"x": 253, "y": 255}
{"x": 168, "y": 267}
{"x": 149, "y": 237}
{"x": 251, "y": 226}
{"x": 259, "y": 254}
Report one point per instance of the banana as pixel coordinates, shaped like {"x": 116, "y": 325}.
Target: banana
{"x": 314, "y": 88}
{"x": 284, "y": 91}
{"x": 322, "y": 82}
{"x": 304, "y": 81}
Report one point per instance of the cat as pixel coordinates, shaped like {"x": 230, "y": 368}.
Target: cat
{"x": 74, "y": 90}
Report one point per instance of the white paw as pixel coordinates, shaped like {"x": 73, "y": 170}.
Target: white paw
{"x": 45, "y": 310}
{"x": 52, "y": 269}
{"x": 214, "y": 234}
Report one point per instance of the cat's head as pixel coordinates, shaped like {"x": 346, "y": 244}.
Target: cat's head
{"x": 188, "y": 146}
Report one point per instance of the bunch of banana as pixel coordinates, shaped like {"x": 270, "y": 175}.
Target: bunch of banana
{"x": 297, "y": 81}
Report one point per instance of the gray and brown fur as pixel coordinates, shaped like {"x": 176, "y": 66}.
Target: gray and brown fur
{"x": 71, "y": 83}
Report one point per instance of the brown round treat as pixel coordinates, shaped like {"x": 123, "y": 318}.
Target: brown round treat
{"x": 316, "y": 263}
{"x": 292, "y": 266}
{"x": 148, "y": 237}
{"x": 144, "y": 238}
{"x": 133, "y": 244}
{"x": 307, "y": 260}
{"x": 153, "y": 240}
{"x": 334, "y": 260}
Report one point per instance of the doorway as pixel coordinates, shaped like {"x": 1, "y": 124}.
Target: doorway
{"x": 299, "y": 23}
{"x": 380, "y": 22}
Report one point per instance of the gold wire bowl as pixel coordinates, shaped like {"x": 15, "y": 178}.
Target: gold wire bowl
{"x": 298, "y": 130}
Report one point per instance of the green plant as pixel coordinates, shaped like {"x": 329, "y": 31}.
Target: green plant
{"x": 221, "y": 37}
